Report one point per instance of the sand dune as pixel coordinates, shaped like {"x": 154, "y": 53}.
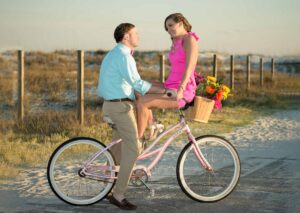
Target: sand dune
{"x": 281, "y": 126}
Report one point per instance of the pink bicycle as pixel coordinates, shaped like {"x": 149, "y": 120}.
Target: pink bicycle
{"x": 82, "y": 171}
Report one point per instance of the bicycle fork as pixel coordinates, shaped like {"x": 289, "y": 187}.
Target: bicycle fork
{"x": 202, "y": 160}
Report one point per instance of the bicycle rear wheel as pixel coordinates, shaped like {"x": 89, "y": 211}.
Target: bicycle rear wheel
{"x": 208, "y": 186}
{"x": 64, "y": 167}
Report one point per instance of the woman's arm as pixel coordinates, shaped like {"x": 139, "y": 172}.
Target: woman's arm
{"x": 191, "y": 51}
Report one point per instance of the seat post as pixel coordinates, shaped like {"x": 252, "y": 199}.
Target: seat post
{"x": 181, "y": 115}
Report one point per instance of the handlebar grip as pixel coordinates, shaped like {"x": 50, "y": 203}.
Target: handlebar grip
{"x": 169, "y": 94}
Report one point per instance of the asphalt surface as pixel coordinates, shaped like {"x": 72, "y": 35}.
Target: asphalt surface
{"x": 270, "y": 182}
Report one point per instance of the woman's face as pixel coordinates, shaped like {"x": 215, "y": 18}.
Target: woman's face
{"x": 173, "y": 28}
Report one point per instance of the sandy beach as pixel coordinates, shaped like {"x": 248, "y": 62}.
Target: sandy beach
{"x": 30, "y": 192}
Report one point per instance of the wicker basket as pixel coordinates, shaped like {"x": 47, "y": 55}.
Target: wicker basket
{"x": 201, "y": 110}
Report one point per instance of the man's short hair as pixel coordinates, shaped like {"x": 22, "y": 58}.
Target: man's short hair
{"x": 121, "y": 30}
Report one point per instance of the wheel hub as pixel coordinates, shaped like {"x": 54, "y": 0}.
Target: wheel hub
{"x": 81, "y": 173}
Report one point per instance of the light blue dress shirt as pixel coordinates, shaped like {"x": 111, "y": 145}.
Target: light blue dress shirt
{"x": 119, "y": 76}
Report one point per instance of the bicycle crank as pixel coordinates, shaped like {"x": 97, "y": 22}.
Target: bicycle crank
{"x": 139, "y": 178}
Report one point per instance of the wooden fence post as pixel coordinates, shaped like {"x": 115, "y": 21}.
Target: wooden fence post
{"x": 215, "y": 68}
{"x": 80, "y": 87}
{"x": 272, "y": 71}
{"x": 20, "y": 85}
{"x": 248, "y": 71}
{"x": 261, "y": 72}
{"x": 231, "y": 72}
{"x": 162, "y": 68}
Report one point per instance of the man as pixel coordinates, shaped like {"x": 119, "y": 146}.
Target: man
{"x": 119, "y": 81}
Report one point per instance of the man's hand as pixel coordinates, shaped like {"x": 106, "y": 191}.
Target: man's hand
{"x": 156, "y": 88}
{"x": 137, "y": 95}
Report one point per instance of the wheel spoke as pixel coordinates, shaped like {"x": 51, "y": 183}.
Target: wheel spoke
{"x": 203, "y": 185}
{"x": 64, "y": 175}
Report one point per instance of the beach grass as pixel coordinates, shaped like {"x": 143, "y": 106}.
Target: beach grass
{"x": 31, "y": 144}
{"x": 51, "y": 79}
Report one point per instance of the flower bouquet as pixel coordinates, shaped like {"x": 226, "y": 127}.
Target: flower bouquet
{"x": 212, "y": 89}
{"x": 209, "y": 95}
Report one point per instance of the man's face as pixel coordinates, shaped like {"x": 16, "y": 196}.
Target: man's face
{"x": 133, "y": 37}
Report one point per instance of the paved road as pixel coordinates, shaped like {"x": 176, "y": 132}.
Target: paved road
{"x": 270, "y": 182}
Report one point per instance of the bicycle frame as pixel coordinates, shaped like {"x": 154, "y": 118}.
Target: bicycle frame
{"x": 182, "y": 127}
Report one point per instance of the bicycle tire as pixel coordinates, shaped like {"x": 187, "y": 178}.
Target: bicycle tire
{"x": 200, "y": 184}
{"x": 63, "y": 172}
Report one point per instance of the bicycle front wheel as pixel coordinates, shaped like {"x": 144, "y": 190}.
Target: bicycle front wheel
{"x": 64, "y": 172}
{"x": 203, "y": 185}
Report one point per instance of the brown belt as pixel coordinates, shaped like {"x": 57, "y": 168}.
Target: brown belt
{"x": 120, "y": 100}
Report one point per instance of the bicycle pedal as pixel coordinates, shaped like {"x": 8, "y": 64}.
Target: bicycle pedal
{"x": 152, "y": 192}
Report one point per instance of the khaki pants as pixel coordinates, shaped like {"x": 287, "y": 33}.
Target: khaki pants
{"x": 125, "y": 153}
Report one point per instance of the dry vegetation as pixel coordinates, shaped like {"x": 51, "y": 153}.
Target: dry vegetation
{"x": 50, "y": 103}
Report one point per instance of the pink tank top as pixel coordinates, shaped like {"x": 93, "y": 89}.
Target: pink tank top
{"x": 177, "y": 59}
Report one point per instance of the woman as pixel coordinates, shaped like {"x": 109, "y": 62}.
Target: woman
{"x": 181, "y": 81}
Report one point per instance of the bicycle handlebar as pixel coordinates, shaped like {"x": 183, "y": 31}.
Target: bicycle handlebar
{"x": 173, "y": 93}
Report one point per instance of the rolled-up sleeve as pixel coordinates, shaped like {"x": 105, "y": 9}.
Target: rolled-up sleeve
{"x": 132, "y": 76}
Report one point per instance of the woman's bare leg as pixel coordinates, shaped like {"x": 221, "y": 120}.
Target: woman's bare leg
{"x": 143, "y": 117}
{"x": 159, "y": 89}
{"x": 146, "y": 102}
{"x": 150, "y": 118}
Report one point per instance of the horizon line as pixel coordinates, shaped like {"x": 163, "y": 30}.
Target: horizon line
{"x": 153, "y": 50}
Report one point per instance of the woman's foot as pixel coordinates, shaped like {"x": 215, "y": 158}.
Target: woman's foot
{"x": 155, "y": 129}
{"x": 143, "y": 141}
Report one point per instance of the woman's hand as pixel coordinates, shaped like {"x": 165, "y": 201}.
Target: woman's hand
{"x": 179, "y": 93}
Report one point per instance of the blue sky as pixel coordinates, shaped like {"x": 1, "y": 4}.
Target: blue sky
{"x": 270, "y": 27}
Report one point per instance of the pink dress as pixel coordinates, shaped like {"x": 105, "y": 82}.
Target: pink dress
{"x": 177, "y": 59}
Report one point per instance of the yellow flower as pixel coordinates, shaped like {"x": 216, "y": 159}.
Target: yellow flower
{"x": 211, "y": 79}
{"x": 213, "y": 84}
{"x": 225, "y": 95}
{"x": 226, "y": 89}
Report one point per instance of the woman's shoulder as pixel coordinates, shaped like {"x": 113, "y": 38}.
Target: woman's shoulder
{"x": 191, "y": 36}
{"x": 190, "y": 39}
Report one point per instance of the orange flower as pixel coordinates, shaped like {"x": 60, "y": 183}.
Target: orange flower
{"x": 210, "y": 90}
{"x": 219, "y": 95}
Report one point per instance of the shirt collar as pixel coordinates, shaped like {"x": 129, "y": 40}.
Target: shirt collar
{"x": 125, "y": 48}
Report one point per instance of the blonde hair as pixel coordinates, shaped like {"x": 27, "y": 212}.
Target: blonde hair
{"x": 178, "y": 17}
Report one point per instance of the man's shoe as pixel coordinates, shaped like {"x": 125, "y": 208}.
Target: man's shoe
{"x": 124, "y": 204}
{"x": 108, "y": 196}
